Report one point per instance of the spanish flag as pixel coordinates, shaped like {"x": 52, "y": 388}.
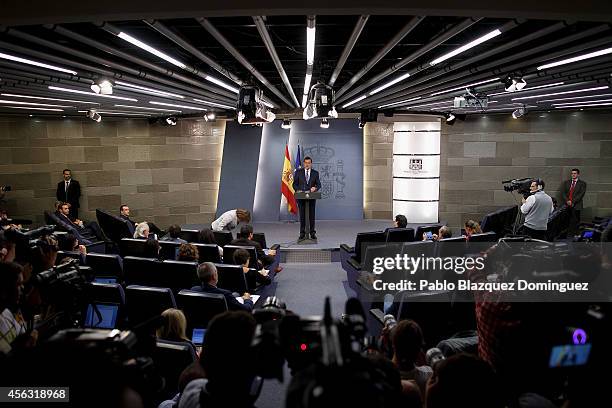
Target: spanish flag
{"x": 287, "y": 183}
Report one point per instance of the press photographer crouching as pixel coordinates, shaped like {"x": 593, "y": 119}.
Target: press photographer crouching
{"x": 536, "y": 208}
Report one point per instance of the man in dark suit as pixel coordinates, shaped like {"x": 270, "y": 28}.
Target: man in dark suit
{"x": 307, "y": 179}
{"x": 207, "y": 273}
{"x": 573, "y": 191}
{"x": 124, "y": 214}
{"x": 69, "y": 191}
{"x": 245, "y": 238}
{"x": 90, "y": 230}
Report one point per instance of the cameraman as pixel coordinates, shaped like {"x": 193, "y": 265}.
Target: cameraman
{"x": 536, "y": 208}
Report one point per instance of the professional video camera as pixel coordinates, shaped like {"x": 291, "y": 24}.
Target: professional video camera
{"x": 92, "y": 363}
{"x": 302, "y": 341}
{"x": 26, "y": 242}
{"x": 63, "y": 291}
{"x": 522, "y": 186}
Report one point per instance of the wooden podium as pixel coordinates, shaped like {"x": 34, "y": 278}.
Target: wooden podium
{"x": 307, "y": 196}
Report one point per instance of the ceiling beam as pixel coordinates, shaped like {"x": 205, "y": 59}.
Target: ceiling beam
{"x": 361, "y": 22}
{"x": 183, "y": 43}
{"x": 408, "y": 27}
{"x": 435, "y": 42}
{"x": 265, "y": 36}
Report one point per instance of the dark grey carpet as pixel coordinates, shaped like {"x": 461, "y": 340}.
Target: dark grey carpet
{"x": 304, "y": 287}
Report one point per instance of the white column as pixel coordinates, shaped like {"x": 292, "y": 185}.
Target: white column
{"x": 416, "y": 170}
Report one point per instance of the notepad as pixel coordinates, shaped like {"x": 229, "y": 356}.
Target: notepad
{"x": 254, "y": 298}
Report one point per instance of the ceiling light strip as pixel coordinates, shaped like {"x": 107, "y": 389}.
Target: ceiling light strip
{"x": 177, "y": 106}
{"x": 576, "y": 59}
{"x": 34, "y": 104}
{"x": 530, "y": 88}
{"x": 152, "y": 50}
{"x": 459, "y": 88}
{"x": 47, "y": 99}
{"x": 36, "y": 63}
{"x": 33, "y": 108}
{"x": 399, "y": 103}
{"x": 136, "y": 88}
{"x": 147, "y": 108}
{"x": 466, "y": 47}
{"x": 57, "y": 88}
{"x": 597, "y": 88}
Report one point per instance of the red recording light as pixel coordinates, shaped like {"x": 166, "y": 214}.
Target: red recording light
{"x": 303, "y": 346}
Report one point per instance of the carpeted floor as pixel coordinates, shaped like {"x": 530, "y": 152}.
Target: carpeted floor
{"x": 304, "y": 287}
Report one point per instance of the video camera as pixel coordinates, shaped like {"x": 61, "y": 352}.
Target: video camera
{"x": 63, "y": 288}
{"x": 302, "y": 341}
{"x": 522, "y": 186}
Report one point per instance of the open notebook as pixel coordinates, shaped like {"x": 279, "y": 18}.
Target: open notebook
{"x": 254, "y": 298}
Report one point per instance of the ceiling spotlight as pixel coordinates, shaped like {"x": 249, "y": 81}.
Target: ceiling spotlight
{"x": 320, "y": 102}
{"x": 209, "y": 117}
{"x": 93, "y": 115}
{"x": 513, "y": 84}
{"x": 286, "y": 124}
{"x": 103, "y": 87}
{"x": 370, "y": 115}
{"x": 324, "y": 123}
{"x": 251, "y": 109}
{"x": 520, "y": 112}
{"x": 450, "y": 118}
{"x": 170, "y": 121}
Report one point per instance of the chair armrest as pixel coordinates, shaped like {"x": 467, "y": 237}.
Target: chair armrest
{"x": 353, "y": 263}
{"x": 378, "y": 315}
{"x": 275, "y": 247}
{"x": 347, "y": 248}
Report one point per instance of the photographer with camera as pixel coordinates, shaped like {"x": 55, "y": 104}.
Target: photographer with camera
{"x": 536, "y": 208}
{"x": 13, "y": 330}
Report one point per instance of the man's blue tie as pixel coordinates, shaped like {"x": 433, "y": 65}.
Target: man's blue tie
{"x": 307, "y": 176}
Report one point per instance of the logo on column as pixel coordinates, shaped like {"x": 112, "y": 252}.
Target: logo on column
{"x": 416, "y": 164}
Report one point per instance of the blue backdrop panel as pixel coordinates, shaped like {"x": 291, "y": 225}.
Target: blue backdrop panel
{"x": 239, "y": 167}
{"x": 271, "y": 159}
{"x": 337, "y": 153}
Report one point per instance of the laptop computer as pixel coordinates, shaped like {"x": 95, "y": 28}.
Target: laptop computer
{"x": 101, "y": 316}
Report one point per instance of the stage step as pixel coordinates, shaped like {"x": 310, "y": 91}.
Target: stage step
{"x": 290, "y": 255}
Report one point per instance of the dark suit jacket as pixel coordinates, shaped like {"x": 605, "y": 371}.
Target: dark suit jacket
{"x": 232, "y": 303}
{"x": 299, "y": 180}
{"x": 74, "y": 193}
{"x": 123, "y": 217}
{"x": 261, "y": 255}
{"x": 577, "y": 195}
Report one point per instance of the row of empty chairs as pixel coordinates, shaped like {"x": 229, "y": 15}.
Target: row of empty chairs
{"x": 138, "y": 304}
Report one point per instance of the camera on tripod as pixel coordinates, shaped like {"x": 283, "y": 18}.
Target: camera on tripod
{"x": 522, "y": 186}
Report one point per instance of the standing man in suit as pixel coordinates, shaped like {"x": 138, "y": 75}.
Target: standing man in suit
{"x": 69, "y": 191}
{"x": 573, "y": 191}
{"x": 307, "y": 179}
